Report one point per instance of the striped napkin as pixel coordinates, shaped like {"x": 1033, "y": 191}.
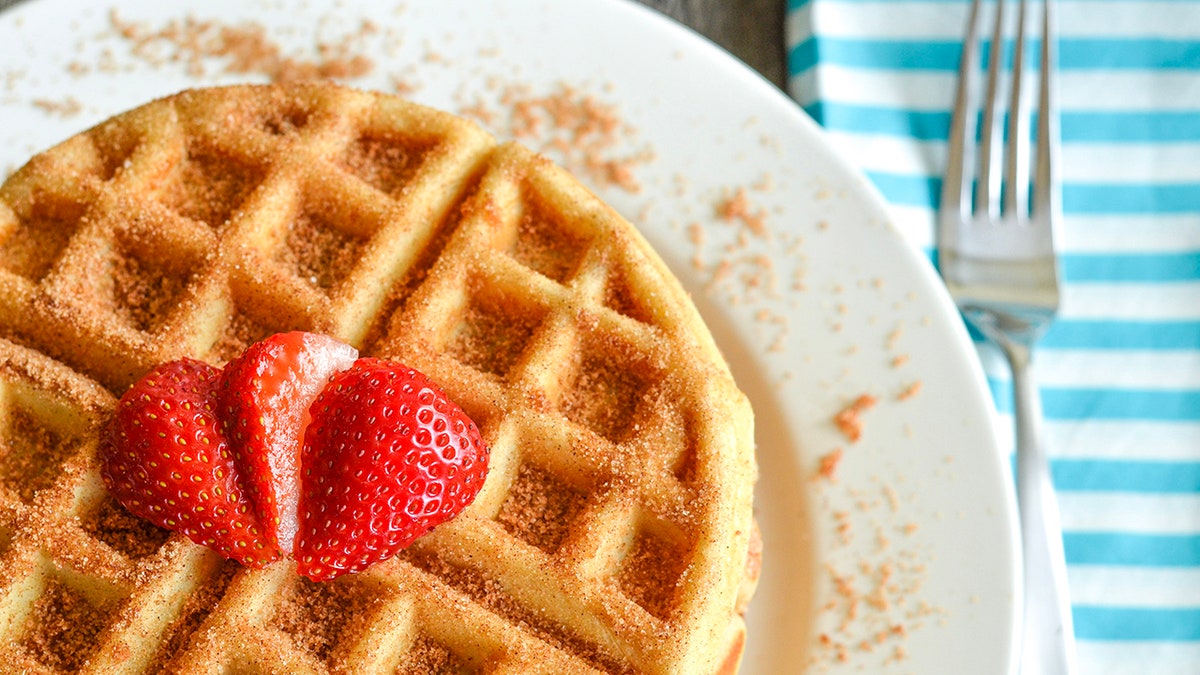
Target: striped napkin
{"x": 1120, "y": 369}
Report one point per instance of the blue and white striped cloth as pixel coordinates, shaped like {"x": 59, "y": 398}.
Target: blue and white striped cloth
{"x": 1120, "y": 370}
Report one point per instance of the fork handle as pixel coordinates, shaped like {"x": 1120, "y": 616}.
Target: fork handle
{"x": 1048, "y": 637}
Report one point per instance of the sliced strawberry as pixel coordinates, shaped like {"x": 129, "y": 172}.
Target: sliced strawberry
{"x": 387, "y": 458}
{"x": 265, "y": 396}
{"x": 166, "y": 460}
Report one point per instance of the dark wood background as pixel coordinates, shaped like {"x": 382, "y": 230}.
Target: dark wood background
{"x": 751, "y": 30}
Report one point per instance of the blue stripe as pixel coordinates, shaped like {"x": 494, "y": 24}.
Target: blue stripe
{"x": 908, "y": 190}
{"x": 1094, "y": 475}
{"x": 883, "y": 121}
{"x": 1135, "y": 550}
{"x": 1075, "y": 127}
{"x": 875, "y": 54}
{"x": 1136, "y": 624}
{"x": 1105, "y": 334}
{"x": 1088, "y": 198}
{"x": 1088, "y": 403}
{"x": 1120, "y": 404}
{"x": 1147, "y": 267}
{"x": 1121, "y": 198}
{"x": 943, "y": 55}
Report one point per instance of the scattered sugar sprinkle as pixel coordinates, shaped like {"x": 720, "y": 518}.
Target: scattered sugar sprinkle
{"x": 875, "y": 603}
{"x": 829, "y": 463}
{"x": 910, "y": 391}
{"x": 737, "y": 207}
{"x": 244, "y": 49}
{"x": 577, "y": 129}
{"x": 849, "y": 420}
{"x": 67, "y": 107}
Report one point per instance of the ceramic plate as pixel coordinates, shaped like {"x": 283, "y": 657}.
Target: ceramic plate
{"x": 892, "y": 553}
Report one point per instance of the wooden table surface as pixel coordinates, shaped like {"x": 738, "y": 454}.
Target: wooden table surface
{"x": 752, "y": 30}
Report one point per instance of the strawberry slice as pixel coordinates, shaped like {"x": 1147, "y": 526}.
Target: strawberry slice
{"x": 166, "y": 459}
{"x": 264, "y": 400}
{"x": 386, "y": 459}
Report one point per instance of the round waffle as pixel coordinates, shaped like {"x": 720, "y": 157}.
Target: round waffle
{"x": 614, "y": 532}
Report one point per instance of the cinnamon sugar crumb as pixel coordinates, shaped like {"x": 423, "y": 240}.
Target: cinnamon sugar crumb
{"x": 492, "y": 339}
{"x": 575, "y": 128}
{"x": 317, "y": 615}
{"x": 123, "y": 531}
{"x": 319, "y": 252}
{"x": 650, "y": 574}
{"x": 737, "y": 207}
{"x": 31, "y": 454}
{"x": 240, "y": 332}
{"x": 910, "y": 391}
{"x": 64, "y": 628}
{"x": 829, "y": 464}
{"x": 245, "y": 49}
{"x": 427, "y": 656}
{"x": 144, "y": 292}
{"x": 68, "y": 107}
{"x": 849, "y": 422}
{"x": 540, "y": 508}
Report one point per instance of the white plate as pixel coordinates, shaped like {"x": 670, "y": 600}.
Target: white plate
{"x": 918, "y": 526}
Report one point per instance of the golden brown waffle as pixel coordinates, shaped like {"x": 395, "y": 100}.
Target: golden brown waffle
{"x": 615, "y": 526}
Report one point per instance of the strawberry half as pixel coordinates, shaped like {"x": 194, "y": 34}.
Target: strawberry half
{"x": 387, "y": 458}
{"x": 166, "y": 460}
{"x": 264, "y": 401}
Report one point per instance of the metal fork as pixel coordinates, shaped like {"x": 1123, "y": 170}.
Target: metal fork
{"x": 999, "y": 264}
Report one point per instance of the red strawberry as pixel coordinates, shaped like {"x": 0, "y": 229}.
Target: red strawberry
{"x": 265, "y": 396}
{"x": 386, "y": 458}
{"x": 166, "y": 460}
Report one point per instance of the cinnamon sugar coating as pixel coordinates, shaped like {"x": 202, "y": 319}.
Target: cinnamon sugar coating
{"x": 615, "y": 528}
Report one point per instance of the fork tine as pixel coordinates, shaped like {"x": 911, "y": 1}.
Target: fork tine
{"x": 1016, "y": 160}
{"x": 1046, "y": 179}
{"x": 987, "y": 189}
{"x": 956, "y": 185}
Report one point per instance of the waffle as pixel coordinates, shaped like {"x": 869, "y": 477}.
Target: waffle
{"x": 614, "y": 533}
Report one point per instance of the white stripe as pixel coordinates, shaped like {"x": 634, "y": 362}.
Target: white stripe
{"x": 804, "y": 87}
{"x": 1132, "y": 301}
{"x": 1131, "y": 513}
{"x": 1139, "y": 658}
{"x": 1131, "y": 233}
{"x": 1163, "y": 370}
{"x": 886, "y": 20}
{"x": 1122, "y": 440}
{"x": 943, "y": 21}
{"x": 890, "y": 153}
{"x": 797, "y": 25}
{"x": 1134, "y": 586}
{"x": 1123, "y": 163}
{"x": 912, "y": 90}
{"x": 1127, "y": 90}
{"x": 915, "y": 223}
{"x": 1131, "y": 163}
{"x": 1116, "y": 440}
